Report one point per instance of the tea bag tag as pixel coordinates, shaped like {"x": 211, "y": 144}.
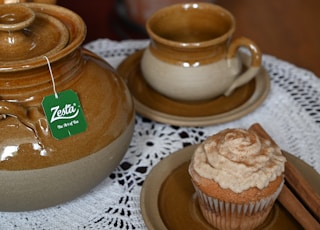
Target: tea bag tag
{"x": 63, "y": 112}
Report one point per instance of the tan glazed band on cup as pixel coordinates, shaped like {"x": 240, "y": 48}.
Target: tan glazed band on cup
{"x": 164, "y": 25}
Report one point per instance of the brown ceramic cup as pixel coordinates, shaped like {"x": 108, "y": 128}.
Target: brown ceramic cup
{"x": 191, "y": 55}
{"x": 140, "y": 10}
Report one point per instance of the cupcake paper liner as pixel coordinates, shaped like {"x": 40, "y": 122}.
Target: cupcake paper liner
{"x": 225, "y": 215}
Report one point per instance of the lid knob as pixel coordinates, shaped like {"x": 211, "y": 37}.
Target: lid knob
{"x": 29, "y": 33}
{"x": 15, "y": 17}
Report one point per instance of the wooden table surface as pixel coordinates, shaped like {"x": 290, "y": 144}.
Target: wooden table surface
{"x": 286, "y": 29}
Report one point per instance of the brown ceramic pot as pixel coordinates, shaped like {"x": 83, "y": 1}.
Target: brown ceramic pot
{"x": 38, "y": 170}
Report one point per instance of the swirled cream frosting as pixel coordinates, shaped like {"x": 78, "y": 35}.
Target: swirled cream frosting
{"x": 238, "y": 159}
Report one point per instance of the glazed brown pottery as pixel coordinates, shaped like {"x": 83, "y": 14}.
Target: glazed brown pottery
{"x": 192, "y": 56}
{"x": 39, "y": 167}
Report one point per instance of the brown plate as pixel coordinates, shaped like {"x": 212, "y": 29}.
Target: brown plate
{"x": 168, "y": 197}
{"x": 153, "y": 105}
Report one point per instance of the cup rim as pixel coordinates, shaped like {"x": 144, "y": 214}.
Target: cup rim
{"x": 205, "y": 43}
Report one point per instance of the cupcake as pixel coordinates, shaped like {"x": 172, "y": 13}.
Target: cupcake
{"x": 237, "y": 177}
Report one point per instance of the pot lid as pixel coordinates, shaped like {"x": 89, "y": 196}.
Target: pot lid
{"x": 26, "y": 35}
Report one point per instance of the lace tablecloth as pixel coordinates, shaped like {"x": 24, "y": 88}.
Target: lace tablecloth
{"x": 290, "y": 114}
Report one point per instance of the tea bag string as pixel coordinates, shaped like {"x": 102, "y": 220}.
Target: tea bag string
{"x": 52, "y": 78}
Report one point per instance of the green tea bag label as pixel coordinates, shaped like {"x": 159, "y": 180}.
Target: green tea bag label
{"x": 64, "y": 114}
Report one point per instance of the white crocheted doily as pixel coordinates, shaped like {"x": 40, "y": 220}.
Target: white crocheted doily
{"x": 290, "y": 114}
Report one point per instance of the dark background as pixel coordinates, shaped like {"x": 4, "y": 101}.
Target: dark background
{"x": 287, "y": 29}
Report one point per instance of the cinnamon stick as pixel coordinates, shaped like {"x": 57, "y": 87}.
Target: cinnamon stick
{"x": 297, "y": 210}
{"x": 303, "y": 188}
{"x": 300, "y": 186}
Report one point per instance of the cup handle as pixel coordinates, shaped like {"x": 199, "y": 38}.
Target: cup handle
{"x": 254, "y": 67}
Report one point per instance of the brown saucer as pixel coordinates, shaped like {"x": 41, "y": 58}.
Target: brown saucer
{"x": 153, "y": 105}
{"x": 168, "y": 201}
